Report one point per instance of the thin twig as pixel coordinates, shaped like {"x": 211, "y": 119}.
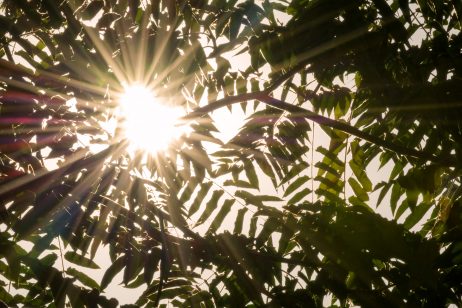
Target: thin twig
{"x": 312, "y": 161}
{"x": 61, "y": 256}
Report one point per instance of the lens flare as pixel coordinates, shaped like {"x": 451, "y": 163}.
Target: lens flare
{"x": 148, "y": 123}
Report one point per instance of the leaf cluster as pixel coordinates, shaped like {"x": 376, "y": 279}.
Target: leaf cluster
{"x": 282, "y": 214}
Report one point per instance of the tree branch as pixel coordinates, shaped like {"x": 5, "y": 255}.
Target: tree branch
{"x": 264, "y": 97}
{"x": 321, "y": 120}
{"x": 226, "y": 101}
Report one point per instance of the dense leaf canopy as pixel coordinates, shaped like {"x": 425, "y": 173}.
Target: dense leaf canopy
{"x": 353, "y": 108}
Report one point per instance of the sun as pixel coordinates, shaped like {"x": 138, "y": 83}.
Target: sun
{"x": 148, "y": 123}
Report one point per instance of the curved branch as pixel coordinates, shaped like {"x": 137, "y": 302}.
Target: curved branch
{"x": 226, "y": 101}
{"x": 351, "y": 130}
{"x": 264, "y": 97}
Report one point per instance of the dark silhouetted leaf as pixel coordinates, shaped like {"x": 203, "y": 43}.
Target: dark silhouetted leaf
{"x": 83, "y": 278}
{"x": 111, "y": 272}
{"x": 296, "y": 185}
{"x": 75, "y": 258}
{"x": 299, "y": 196}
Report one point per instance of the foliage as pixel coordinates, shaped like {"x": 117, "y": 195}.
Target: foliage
{"x": 280, "y": 215}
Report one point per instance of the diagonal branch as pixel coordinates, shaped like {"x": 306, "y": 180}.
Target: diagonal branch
{"x": 351, "y": 130}
{"x": 226, "y": 101}
{"x": 264, "y": 97}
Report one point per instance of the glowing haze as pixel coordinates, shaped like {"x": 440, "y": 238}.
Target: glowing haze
{"x": 148, "y": 123}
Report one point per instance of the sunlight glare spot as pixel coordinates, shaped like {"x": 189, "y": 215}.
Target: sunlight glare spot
{"x": 148, "y": 124}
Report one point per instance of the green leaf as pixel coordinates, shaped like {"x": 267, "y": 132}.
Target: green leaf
{"x": 92, "y": 9}
{"x": 326, "y": 168}
{"x": 358, "y": 79}
{"x": 172, "y": 293}
{"x": 386, "y": 187}
{"x": 333, "y": 184}
{"x": 299, "y": 196}
{"x": 239, "y": 221}
{"x": 295, "y": 185}
{"x": 269, "y": 227}
{"x": 361, "y": 176}
{"x": 329, "y": 196}
{"x": 14, "y": 265}
{"x": 401, "y": 209}
{"x": 250, "y": 173}
{"x": 397, "y": 169}
{"x": 210, "y": 206}
{"x": 75, "y": 258}
{"x": 265, "y": 167}
{"x": 268, "y": 198}
{"x": 416, "y": 215}
{"x": 106, "y": 20}
{"x": 49, "y": 260}
{"x": 396, "y": 193}
{"x": 151, "y": 263}
{"x": 357, "y": 201}
{"x": 249, "y": 198}
{"x": 133, "y": 265}
{"x": 253, "y": 226}
{"x": 139, "y": 281}
{"x": 199, "y": 297}
{"x": 358, "y": 190}
{"x": 296, "y": 170}
{"x": 112, "y": 271}
{"x": 330, "y": 156}
{"x": 287, "y": 233}
{"x": 218, "y": 220}
{"x": 83, "y": 278}
{"x": 238, "y": 183}
{"x": 205, "y": 187}
{"x": 241, "y": 87}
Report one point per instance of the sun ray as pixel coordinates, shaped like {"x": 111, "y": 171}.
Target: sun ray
{"x": 60, "y": 80}
{"x": 12, "y": 186}
{"x": 103, "y": 49}
{"x": 143, "y": 49}
{"x": 148, "y": 123}
{"x": 162, "y": 39}
{"x": 164, "y": 73}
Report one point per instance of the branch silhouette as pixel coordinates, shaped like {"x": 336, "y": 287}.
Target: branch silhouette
{"x": 264, "y": 97}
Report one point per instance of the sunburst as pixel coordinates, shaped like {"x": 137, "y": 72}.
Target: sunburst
{"x": 149, "y": 123}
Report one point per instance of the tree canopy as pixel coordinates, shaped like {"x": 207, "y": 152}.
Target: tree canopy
{"x": 352, "y": 108}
